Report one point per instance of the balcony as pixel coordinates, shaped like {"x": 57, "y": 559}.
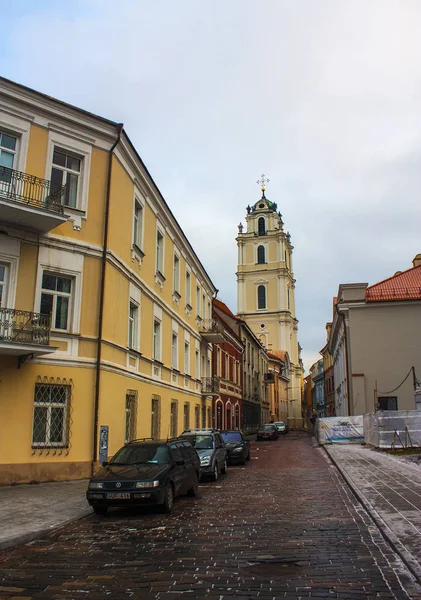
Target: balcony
{"x": 210, "y": 386}
{"x": 28, "y": 202}
{"x": 269, "y": 378}
{"x": 23, "y": 332}
{"x": 212, "y": 331}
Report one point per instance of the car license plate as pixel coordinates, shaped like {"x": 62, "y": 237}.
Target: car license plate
{"x": 118, "y": 496}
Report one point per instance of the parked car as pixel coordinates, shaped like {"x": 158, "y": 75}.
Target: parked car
{"x": 237, "y": 445}
{"x": 211, "y": 449}
{"x": 145, "y": 472}
{"x": 268, "y": 432}
{"x": 281, "y": 427}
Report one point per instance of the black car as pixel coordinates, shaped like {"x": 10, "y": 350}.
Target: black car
{"x": 145, "y": 472}
{"x": 210, "y": 447}
{"x": 269, "y": 431}
{"x": 237, "y": 445}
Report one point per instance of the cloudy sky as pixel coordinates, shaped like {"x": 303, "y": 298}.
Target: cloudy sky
{"x": 323, "y": 96}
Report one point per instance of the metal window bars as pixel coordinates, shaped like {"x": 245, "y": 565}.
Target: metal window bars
{"x": 52, "y": 414}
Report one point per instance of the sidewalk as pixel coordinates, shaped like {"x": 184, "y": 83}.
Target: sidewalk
{"x": 28, "y": 511}
{"x": 390, "y": 490}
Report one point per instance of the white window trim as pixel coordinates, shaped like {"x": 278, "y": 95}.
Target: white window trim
{"x": 12, "y": 264}
{"x": 138, "y": 199}
{"x": 186, "y": 370}
{"x": 174, "y": 363}
{"x": 83, "y": 150}
{"x": 177, "y": 285}
{"x": 49, "y": 260}
{"x": 19, "y": 128}
{"x": 157, "y": 320}
{"x": 264, "y": 284}
{"x": 136, "y": 336}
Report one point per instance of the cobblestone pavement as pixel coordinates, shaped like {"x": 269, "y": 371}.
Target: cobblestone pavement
{"x": 284, "y": 526}
{"x": 390, "y": 489}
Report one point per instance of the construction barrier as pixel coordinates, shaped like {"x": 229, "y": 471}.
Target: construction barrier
{"x": 393, "y": 429}
{"x": 340, "y": 430}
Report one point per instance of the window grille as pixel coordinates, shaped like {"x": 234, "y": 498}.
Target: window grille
{"x": 51, "y": 419}
{"x": 131, "y": 416}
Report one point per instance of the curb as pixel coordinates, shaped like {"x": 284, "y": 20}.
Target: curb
{"x": 24, "y": 538}
{"x": 406, "y": 557}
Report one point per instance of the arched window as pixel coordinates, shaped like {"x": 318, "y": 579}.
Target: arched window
{"x": 261, "y": 255}
{"x": 262, "y": 226}
{"x": 261, "y": 296}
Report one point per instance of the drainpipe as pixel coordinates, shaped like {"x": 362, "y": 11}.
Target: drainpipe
{"x": 102, "y": 293}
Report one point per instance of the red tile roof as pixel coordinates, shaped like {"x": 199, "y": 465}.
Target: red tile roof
{"x": 401, "y": 286}
{"x": 222, "y": 306}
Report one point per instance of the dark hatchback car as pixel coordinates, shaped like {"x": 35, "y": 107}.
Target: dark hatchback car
{"x": 145, "y": 472}
{"x": 210, "y": 447}
{"x": 268, "y": 432}
{"x": 237, "y": 445}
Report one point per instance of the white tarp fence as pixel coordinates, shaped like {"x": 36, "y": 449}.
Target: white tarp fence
{"x": 340, "y": 430}
{"x": 393, "y": 428}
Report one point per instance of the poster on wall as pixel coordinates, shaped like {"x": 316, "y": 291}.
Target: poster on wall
{"x": 340, "y": 430}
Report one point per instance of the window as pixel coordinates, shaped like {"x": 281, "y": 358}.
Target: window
{"x": 261, "y": 296}
{"x": 51, "y": 415}
{"x": 173, "y": 419}
{"x": 159, "y": 252}
{"x": 197, "y": 364}
{"x": 186, "y": 358}
{"x": 66, "y": 171}
{"x": 55, "y": 299}
{"x": 204, "y": 417}
{"x": 133, "y": 325}
{"x": 174, "y": 350}
{"x": 209, "y": 417}
{"x": 198, "y": 300}
{"x": 176, "y": 274}
{"x": 156, "y": 340}
{"x": 131, "y": 416}
{"x": 156, "y": 417}
{"x": 137, "y": 224}
{"x": 261, "y": 255}
{"x": 4, "y": 271}
{"x": 197, "y": 416}
{"x": 261, "y": 226}
{"x": 8, "y": 146}
{"x": 203, "y": 306}
{"x": 388, "y": 403}
{"x": 289, "y": 299}
{"x": 187, "y": 416}
{"x": 188, "y": 288}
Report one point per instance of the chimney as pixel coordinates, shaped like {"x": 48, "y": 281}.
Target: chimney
{"x": 417, "y": 261}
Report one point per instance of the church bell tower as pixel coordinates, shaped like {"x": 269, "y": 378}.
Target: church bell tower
{"x": 266, "y": 285}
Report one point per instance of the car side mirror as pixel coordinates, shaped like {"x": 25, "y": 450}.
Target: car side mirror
{"x": 104, "y": 463}
{"x": 180, "y": 463}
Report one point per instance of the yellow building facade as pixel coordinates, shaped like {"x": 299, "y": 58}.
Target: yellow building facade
{"x": 105, "y": 308}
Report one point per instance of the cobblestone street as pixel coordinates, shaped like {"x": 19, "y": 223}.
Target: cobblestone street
{"x": 284, "y": 526}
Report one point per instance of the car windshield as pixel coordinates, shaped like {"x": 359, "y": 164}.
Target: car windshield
{"x": 200, "y": 441}
{"x": 280, "y": 424}
{"x": 268, "y": 427}
{"x": 141, "y": 454}
{"x": 231, "y": 436}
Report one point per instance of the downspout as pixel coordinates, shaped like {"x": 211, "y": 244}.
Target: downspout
{"x": 102, "y": 294}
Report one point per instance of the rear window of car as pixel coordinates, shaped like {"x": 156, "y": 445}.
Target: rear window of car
{"x": 199, "y": 441}
{"x": 231, "y": 436}
{"x": 141, "y": 454}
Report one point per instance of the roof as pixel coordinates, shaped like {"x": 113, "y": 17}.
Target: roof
{"x": 279, "y": 354}
{"x": 401, "y": 286}
{"x": 222, "y": 306}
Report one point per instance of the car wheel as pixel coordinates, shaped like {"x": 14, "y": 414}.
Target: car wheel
{"x": 224, "y": 469}
{"x": 243, "y": 459}
{"x": 169, "y": 499}
{"x": 100, "y": 510}
{"x": 193, "y": 491}
{"x": 215, "y": 472}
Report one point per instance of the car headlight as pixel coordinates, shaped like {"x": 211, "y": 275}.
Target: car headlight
{"x": 96, "y": 485}
{"x": 237, "y": 450}
{"x": 205, "y": 461}
{"x": 147, "y": 484}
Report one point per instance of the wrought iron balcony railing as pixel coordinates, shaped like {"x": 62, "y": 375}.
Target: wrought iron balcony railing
{"x": 210, "y": 385}
{"x": 25, "y": 189}
{"x": 24, "y": 327}
{"x": 211, "y": 326}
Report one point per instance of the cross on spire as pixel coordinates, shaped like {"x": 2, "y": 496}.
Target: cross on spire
{"x": 262, "y": 182}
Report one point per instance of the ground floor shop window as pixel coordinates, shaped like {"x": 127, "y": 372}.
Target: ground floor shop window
{"x": 51, "y": 422}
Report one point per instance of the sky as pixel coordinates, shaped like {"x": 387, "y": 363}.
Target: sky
{"x": 322, "y": 96}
